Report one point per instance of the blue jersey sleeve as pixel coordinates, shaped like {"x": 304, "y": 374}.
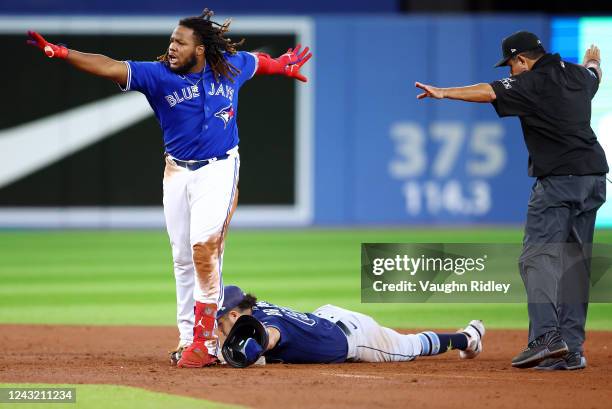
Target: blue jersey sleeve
{"x": 274, "y": 322}
{"x": 143, "y": 76}
{"x": 246, "y": 63}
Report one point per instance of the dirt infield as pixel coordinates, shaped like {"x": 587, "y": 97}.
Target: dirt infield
{"x": 136, "y": 357}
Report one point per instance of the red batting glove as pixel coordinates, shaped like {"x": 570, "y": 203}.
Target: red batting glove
{"x": 294, "y": 56}
{"x": 295, "y": 59}
{"x": 50, "y": 50}
{"x": 288, "y": 64}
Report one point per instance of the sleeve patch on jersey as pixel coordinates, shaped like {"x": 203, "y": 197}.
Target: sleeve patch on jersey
{"x": 507, "y": 82}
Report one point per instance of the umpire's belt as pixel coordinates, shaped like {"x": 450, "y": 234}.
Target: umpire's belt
{"x": 195, "y": 164}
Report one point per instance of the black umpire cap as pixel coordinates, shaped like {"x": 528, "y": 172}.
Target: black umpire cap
{"x": 517, "y": 43}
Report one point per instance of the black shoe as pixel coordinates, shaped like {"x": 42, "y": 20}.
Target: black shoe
{"x": 549, "y": 345}
{"x": 569, "y": 362}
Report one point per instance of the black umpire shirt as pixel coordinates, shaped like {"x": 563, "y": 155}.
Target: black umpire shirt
{"x": 553, "y": 102}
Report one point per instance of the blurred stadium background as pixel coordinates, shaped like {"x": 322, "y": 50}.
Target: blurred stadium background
{"x": 349, "y": 157}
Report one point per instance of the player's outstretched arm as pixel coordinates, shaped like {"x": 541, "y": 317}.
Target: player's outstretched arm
{"x": 95, "y": 64}
{"x": 273, "y": 337}
{"x": 472, "y": 93}
{"x": 288, "y": 64}
{"x": 592, "y": 59}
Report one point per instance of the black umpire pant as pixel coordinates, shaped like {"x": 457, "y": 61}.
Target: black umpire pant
{"x": 555, "y": 262}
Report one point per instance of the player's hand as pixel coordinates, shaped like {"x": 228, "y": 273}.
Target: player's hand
{"x": 592, "y": 54}
{"x": 293, "y": 60}
{"x": 50, "y": 50}
{"x": 431, "y": 92}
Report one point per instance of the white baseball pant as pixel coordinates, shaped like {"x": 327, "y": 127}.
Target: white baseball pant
{"x": 370, "y": 342}
{"x": 198, "y": 206}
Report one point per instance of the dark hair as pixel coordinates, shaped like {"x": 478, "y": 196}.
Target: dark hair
{"x": 247, "y": 303}
{"x": 533, "y": 54}
{"x": 211, "y": 35}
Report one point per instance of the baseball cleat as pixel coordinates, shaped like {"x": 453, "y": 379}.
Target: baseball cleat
{"x": 196, "y": 356}
{"x": 549, "y": 345}
{"x": 474, "y": 331}
{"x": 175, "y": 354}
{"x": 569, "y": 362}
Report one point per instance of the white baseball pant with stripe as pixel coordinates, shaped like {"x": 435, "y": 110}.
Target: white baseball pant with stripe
{"x": 198, "y": 206}
{"x": 370, "y": 342}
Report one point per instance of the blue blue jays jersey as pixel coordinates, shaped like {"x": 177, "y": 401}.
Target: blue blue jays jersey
{"x": 305, "y": 338}
{"x": 197, "y": 114}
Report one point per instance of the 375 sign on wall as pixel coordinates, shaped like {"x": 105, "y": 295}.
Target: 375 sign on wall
{"x": 447, "y": 167}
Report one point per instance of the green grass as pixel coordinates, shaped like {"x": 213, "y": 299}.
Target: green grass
{"x": 123, "y": 397}
{"x": 125, "y": 277}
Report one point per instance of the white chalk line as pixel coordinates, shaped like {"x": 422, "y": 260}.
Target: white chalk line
{"x": 343, "y": 375}
{"x": 421, "y": 375}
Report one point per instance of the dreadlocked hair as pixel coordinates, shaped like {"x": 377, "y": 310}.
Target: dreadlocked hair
{"x": 212, "y": 36}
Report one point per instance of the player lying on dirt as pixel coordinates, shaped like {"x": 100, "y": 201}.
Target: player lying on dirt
{"x": 328, "y": 335}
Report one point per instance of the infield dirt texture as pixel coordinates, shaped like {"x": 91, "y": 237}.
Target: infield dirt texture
{"x": 135, "y": 357}
{"x": 109, "y": 297}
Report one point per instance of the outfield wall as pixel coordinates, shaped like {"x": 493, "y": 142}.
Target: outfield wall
{"x": 362, "y": 149}
{"x": 385, "y": 157}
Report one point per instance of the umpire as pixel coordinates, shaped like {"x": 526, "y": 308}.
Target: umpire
{"x": 552, "y": 98}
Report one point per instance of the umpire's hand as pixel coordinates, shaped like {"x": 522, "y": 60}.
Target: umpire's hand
{"x": 430, "y": 91}
{"x": 592, "y": 54}
{"x": 592, "y": 59}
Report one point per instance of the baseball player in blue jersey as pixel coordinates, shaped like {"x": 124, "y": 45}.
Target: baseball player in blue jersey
{"x": 330, "y": 335}
{"x": 193, "y": 90}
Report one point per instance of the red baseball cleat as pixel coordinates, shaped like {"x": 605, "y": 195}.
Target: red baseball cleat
{"x": 196, "y": 356}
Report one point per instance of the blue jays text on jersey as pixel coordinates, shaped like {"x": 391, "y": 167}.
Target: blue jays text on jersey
{"x": 304, "y": 337}
{"x": 197, "y": 114}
